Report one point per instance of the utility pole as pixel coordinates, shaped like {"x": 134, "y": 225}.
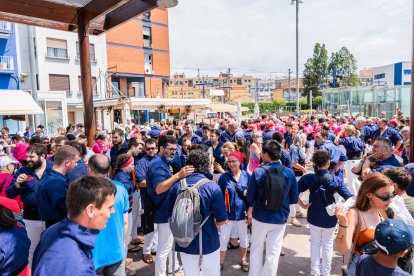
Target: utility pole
{"x": 310, "y": 101}
{"x": 297, "y": 52}
{"x": 290, "y": 81}
{"x": 229, "y": 88}
{"x": 204, "y": 93}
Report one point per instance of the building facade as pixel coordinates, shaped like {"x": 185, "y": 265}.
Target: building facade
{"x": 286, "y": 91}
{"x": 392, "y": 74}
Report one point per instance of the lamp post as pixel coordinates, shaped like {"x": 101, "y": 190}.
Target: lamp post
{"x": 297, "y": 51}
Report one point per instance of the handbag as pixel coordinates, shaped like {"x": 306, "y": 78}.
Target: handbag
{"x": 344, "y": 267}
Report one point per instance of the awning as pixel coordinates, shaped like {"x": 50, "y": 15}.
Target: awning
{"x": 154, "y": 103}
{"x": 17, "y": 102}
{"x": 220, "y": 107}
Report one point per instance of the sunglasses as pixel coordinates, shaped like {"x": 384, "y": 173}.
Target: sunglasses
{"x": 385, "y": 198}
{"x": 148, "y": 149}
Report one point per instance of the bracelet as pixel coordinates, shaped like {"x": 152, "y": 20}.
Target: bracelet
{"x": 343, "y": 226}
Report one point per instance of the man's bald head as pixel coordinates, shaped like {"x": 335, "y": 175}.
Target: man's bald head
{"x": 99, "y": 165}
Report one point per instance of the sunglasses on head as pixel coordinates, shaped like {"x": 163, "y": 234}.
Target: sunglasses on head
{"x": 385, "y": 198}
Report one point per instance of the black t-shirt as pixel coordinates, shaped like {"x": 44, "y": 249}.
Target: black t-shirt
{"x": 367, "y": 266}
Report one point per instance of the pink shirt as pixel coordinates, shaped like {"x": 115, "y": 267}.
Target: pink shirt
{"x": 97, "y": 148}
{"x": 280, "y": 129}
{"x": 19, "y": 152}
{"x": 307, "y": 128}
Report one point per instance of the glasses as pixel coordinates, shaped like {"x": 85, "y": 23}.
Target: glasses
{"x": 149, "y": 149}
{"x": 232, "y": 161}
{"x": 387, "y": 197}
{"x": 172, "y": 149}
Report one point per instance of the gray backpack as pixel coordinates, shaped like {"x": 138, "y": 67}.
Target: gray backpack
{"x": 186, "y": 220}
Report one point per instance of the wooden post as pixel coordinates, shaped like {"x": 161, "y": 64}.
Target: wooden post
{"x": 411, "y": 157}
{"x": 86, "y": 79}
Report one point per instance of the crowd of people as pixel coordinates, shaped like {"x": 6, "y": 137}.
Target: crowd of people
{"x": 173, "y": 187}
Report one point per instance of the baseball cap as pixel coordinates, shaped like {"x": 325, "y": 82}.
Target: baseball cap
{"x": 394, "y": 236}
{"x": 6, "y": 160}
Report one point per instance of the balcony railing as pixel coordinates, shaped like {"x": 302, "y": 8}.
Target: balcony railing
{"x": 6, "y": 63}
{"x": 5, "y": 26}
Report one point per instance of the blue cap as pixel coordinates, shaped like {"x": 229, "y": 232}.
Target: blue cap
{"x": 394, "y": 236}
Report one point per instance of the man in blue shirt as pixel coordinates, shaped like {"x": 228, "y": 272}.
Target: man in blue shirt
{"x": 211, "y": 206}
{"x": 232, "y": 133}
{"x": 268, "y": 226}
{"x": 150, "y": 239}
{"x": 159, "y": 181}
{"x": 194, "y": 138}
{"x": 336, "y": 155}
{"x": 383, "y": 151}
{"x": 215, "y": 148}
{"x": 108, "y": 257}
{"x": 51, "y": 195}
{"x": 385, "y": 132}
{"x": 66, "y": 247}
{"x": 120, "y": 146}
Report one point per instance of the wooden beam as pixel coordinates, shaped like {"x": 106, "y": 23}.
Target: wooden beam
{"x": 34, "y": 21}
{"x": 86, "y": 80}
{"x": 127, "y": 11}
{"x": 411, "y": 155}
{"x": 40, "y": 9}
{"x": 96, "y": 8}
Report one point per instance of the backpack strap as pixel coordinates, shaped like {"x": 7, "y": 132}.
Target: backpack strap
{"x": 321, "y": 182}
{"x": 183, "y": 182}
{"x": 201, "y": 183}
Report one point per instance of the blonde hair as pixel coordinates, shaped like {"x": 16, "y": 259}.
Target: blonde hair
{"x": 230, "y": 146}
{"x": 353, "y": 130}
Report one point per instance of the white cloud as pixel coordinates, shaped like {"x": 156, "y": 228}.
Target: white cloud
{"x": 259, "y": 36}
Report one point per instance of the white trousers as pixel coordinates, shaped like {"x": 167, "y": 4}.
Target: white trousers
{"x": 234, "y": 234}
{"x": 351, "y": 179}
{"x": 321, "y": 238}
{"x": 209, "y": 267}
{"x": 33, "y": 228}
{"x": 151, "y": 241}
{"x": 272, "y": 234}
{"x": 225, "y": 233}
{"x": 128, "y": 237}
{"x": 164, "y": 250}
{"x": 136, "y": 214}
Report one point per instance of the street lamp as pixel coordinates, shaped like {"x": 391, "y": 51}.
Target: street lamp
{"x": 297, "y": 51}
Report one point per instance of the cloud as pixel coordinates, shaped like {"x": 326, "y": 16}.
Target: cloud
{"x": 258, "y": 37}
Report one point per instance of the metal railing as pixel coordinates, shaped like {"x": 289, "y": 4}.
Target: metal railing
{"x": 6, "y": 63}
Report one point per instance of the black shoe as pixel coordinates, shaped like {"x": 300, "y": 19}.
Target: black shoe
{"x": 232, "y": 246}
{"x": 153, "y": 253}
{"x": 282, "y": 253}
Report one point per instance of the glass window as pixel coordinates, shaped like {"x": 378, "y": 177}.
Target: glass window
{"x": 56, "y": 48}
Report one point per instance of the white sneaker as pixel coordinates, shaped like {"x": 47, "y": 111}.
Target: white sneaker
{"x": 295, "y": 222}
{"x": 179, "y": 269}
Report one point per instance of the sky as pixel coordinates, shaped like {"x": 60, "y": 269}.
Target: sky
{"x": 258, "y": 37}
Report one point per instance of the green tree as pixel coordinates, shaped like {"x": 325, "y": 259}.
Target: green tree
{"x": 317, "y": 101}
{"x": 344, "y": 64}
{"x": 279, "y": 102}
{"x": 315, "y": 71}
{"x": 303, "y": 101}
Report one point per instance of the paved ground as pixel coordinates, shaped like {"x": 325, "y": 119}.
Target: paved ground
{"x": 295, "y": 262}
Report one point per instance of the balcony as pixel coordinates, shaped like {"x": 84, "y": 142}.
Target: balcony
{"x": 6, "y": 65}
{"x": 5, "y": 29}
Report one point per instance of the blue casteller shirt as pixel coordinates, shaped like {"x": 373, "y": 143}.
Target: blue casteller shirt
{"x": 159, "y": 171}
{"x": 126, "y": 180}
{"x": 14, "y": 249}
{"x": 237, "y": 205}
{"x": 195, "y": 139}
{"x": 248, "y": 136}
{"x": 390, "y": 134}
{"x": 227, "y": 137}
{"x": 390, "y": 162}
{"x": 297, "y": 155}
{"x": 352, "y": 144}
{"x": 267, "y": 134}
{"x": 79, "y": 171}
{"x": 51, "y": 196}
{"x": 65, "y": 249}
{"x": 115, "y": 152}
{"x": 217, "y": 154}
{"x": 211, "y": 203}
{"x": 27, "y": 193}
{"x": 336, "y": 154}
{"x": 285, "y": 159}
{"x": 322, "y": 197}
{"x": 141, "y": 170}
{"x": 255, "y": 191}
{"x": 107, "y": 253}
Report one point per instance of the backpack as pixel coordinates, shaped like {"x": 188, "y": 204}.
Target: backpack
{"x": 273, "y": 188}
{"x": 185, "y": 221}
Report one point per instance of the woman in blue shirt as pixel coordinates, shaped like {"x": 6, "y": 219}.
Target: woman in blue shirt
{"x": 322, "y": 187}
{"x": 233, "y": 184}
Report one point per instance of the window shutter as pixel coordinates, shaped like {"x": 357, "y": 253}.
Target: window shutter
{"x": 59, "y": 83}
{"x": 56, "y": 43}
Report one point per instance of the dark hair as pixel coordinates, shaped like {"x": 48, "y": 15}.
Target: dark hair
{"x": 215, "y": 131}
{"x": 244, "y": 124}
{"x": 70, "y": 137}
{"x": 151, "y": 141}
{"x": 164, "y": 140}
{"x": 118, "y": 131}
{"x": 65, "y": 152}
{"x": 277, "y": 136}
{"x": 324, "y": 133}
{"x": 7, "y": 219}
{"x": 273, "y": 149}
{"x": 121, "y": 160}
{"x": 170, "y": 132}
{"x": 321, "y": 157}
{"x": 88, "y": 190}
{"x": 200, "y": 160}
{"x": 38, "y": 149}
{"x": 99, "y": 164}
{"x": 100, "y": 137}
{"x": 385, "y": 121}
{"x": 133, "y": 142}
{"x": 35, "y": 140}
{"x": 17, "y": 138}
{"x": 244, "y": 147}
{"x": 81, "y": 136}
{"x": 59, "y": 139}
{"x": 205, "y": 128}
{"x": 201, "y": 147}
{"x": 77, "y": 146}
{"x": 400, "y": 176}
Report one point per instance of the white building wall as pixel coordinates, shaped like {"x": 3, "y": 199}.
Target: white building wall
{"x": 388, "y": 70}
{"x": 406, "y": 65}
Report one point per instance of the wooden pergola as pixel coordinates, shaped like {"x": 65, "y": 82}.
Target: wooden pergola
{"x": 84, "y": 17}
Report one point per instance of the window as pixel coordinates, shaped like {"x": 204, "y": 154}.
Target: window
{"x": 379, "y": 76}
{"x": 407, "y": 72}
{"x": 407, "y": 83}
{"x": 146, "y": 16}
{"x": 147, "y": 36}
{"x": 56, "y": 48}
{"x": 148, "y": 64}
{"x": 91, "y": 52}
{"x": 94, "y": 88}
{"x": 59, "y": 83}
